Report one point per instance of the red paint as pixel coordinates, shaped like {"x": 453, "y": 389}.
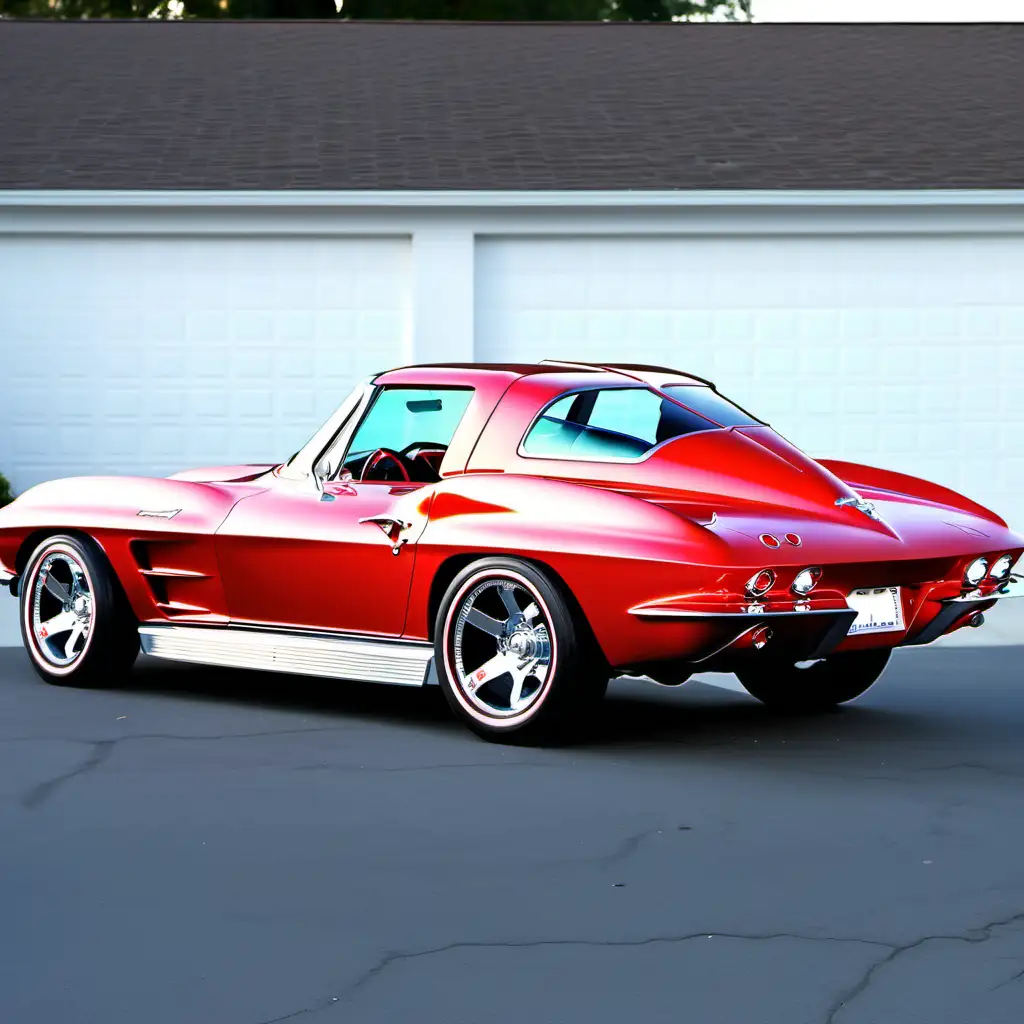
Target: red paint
{"x": 251, "y": 545}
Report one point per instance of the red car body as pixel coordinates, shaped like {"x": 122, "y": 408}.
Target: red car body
{"x": 658, "y": 551}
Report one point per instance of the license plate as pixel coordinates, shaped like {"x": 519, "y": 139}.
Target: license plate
{"x": 879, "y": 610}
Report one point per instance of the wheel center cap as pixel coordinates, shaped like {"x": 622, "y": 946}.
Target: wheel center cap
{"x": 521, "y": 644}
{"x": 80, "y": 606}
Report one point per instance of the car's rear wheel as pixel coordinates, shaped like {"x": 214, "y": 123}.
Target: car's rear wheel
{"x": 75, "y": 620}
{"x": 515, "y": 658}
{"x": 814, "y": 687}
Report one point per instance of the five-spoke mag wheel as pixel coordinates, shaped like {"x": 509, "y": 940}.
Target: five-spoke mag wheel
{"x": 75, "y": 620}
{"x": 61, "y": 608}
{"x": 513, "y": 657}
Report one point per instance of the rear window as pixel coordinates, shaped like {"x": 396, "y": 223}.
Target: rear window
{"x": 712, "y": 405}
{"x": 610, "y": 423}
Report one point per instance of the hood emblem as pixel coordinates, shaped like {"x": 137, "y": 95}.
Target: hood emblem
{"x": 867, "y": 507}
{"x": 153, "y": 513}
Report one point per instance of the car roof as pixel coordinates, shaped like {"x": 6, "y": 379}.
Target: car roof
{"x": 464, "y": 372}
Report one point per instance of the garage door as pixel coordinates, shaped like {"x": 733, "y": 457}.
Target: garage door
{"x": 151, "y": 355}
{"x": 902, "y": 352}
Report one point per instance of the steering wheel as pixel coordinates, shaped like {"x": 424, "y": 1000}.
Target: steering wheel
{"x": 423, "y": 446}
{"x": 374, "y": 458}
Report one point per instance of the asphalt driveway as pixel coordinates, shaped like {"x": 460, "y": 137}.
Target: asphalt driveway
{"x": 223, "y": 847}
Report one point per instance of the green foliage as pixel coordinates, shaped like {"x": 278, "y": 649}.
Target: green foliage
{"x": 6, "y": 494}
{"x": 425, "y": 10}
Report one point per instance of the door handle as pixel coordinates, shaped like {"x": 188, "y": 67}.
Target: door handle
{"x": 391, "y": 527}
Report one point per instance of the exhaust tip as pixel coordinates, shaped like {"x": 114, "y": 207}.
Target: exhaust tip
{"x": 976, "y": 620}
{"x": 760, "y": 637}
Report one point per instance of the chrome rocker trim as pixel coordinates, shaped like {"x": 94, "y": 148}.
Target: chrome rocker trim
{"x": 400, "y": 662}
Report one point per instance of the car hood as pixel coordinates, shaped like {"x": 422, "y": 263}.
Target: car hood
{"x": 224, "y": 474}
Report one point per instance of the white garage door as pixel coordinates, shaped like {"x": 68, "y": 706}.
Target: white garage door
{"x": 902, "y": 352}
{"x": 151, "y": 355}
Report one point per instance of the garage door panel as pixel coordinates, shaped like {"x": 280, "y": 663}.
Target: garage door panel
{"x": 902, "y": 351}
{"x": 151, "y": 355}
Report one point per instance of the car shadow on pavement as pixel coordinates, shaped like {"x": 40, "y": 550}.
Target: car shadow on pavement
{"x": 636, "y": 715}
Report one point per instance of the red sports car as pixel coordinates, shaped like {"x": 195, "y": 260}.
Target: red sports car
{"x": 518, "y": 535}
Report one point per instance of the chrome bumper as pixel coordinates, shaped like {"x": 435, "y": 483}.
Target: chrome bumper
{"x": 831, "y": 624}
{"x": 1013, "y": 587}
{"x": 954, "y": 608}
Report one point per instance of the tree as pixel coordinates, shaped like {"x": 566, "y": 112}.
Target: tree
{"x": 398, "y": 10}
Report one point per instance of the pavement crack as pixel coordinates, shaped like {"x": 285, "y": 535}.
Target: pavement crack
{"x": 973, "y": 935}
{"x": 39, "y": 794}
{"x": 629, "y": 846}
{"x": 1009, "y": 981}
{"x": 315, "y": 1008}
{"x": 388, "y": 960}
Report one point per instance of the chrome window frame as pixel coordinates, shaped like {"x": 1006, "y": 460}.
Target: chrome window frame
{"x": 304, "y": 466}
{"x": 611, "y": 459}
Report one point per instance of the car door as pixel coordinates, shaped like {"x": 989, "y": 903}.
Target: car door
{"x": 340, "y": 556}
{"x": 340, "y": 560}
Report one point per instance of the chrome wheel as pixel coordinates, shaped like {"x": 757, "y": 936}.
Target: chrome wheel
{"x": 499, "y": 645}
{"x": 60, "y": 609}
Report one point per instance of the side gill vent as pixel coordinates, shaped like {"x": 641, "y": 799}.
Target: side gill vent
{"x": 176, "y": 590}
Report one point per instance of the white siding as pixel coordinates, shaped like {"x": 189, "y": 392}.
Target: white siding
{"x": 125, "y": 354}
{"x": 900, "y": 351}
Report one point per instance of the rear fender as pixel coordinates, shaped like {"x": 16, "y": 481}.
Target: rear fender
{"x": 887, "y": 485}
{"x": 612, "y": 551}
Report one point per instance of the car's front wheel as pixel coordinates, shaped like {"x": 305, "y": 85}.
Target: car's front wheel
{"x": 75, "y": 620}
{"x": 515, "y": 659}
{"x": 814, "y": 687}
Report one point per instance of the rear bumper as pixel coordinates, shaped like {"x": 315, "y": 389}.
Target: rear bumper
{"x": 956, "y": 610}
{"x": 805, "y": 632}
{"x": 706, "y": 634}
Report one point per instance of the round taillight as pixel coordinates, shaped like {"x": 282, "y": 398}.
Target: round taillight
{"x": 1001, "y": 567}
{"x": 759, "y": 584}
{"x": 769, "y": 540}
{"x": 794, "y": 539}
{"x": 806, "y": 580}
{"x": 976, "y": 572}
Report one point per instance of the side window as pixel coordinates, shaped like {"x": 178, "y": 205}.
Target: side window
{"x": 404, "y": 418}
{"x": 634, "y": 412}
{"x": 616, "y": 423}
{"x": 712, "y": 404}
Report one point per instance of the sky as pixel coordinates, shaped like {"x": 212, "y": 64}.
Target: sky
{"x": 888, "y": 10}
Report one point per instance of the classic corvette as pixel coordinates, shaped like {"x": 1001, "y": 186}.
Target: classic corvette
{"x": 517, "y": 534}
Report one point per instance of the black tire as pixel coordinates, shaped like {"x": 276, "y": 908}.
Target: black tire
{"x": 556, "y": 697}
{"x": 68, "y": 580}
{"x": 818, "y": 687}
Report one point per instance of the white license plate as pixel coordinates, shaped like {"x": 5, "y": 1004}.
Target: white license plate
{"x": 879, "y": 610}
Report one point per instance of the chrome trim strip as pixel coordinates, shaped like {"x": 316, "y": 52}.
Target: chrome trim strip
{"x": 758, "y": 612}
{"x": 1013, "y": 587}
{"x": 153, "y": 513}
{"x": 403, "y": 663}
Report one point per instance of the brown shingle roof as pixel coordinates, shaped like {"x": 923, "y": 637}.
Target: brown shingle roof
{"x": 336, "y": 105}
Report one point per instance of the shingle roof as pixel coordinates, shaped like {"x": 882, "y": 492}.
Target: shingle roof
{"x": 350, "y": 105}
